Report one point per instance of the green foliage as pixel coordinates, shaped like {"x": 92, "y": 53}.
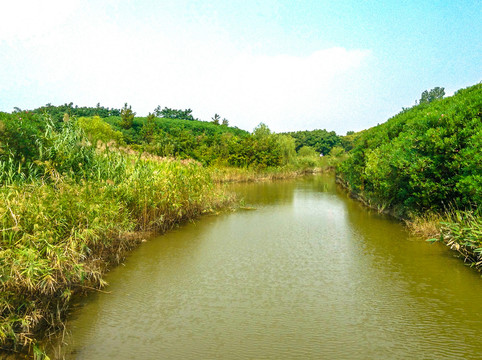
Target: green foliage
{"x": 261, "y": 131}
{"x": 127, "y": 116}
{"x": 57, "y": 112}
{"x": 462, "y": 232}
{"x": 307, "y": 151}
{"x": 287, "y": 148}
{"x": 215, "y": 119}
{"x": 169, "y": 113}
{"x": 206, "y": 142}
{"x": 320, "y": 140}
{"x": 337, "y": 151}
{"x": 18, "y": 135}
{"x": 434, "y": 94}
{"x": 98, "y": 130}
{"x": 347, "y": 142}
{"x": 425, "y": 158}
{"x": 167, "y": 133}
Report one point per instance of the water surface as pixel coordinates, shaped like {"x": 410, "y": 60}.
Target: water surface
{"x": 308, "y": 274}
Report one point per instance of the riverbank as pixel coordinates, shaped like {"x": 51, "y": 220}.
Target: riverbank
{"x": 231, "y": 174}
{"x": 460, "y": 230}
{"x": 59, "y": 238}
{"x": 423, "y": 165}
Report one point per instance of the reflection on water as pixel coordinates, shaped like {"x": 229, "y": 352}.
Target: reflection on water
{"x": 308, "y": 274}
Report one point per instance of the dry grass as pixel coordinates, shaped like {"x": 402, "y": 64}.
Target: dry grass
{"x": 426, "y": 226}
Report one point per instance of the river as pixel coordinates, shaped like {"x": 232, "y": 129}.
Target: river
{"x": 303, "y": 272}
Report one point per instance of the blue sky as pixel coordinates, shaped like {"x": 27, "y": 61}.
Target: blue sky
{"x": 294, "y": 65}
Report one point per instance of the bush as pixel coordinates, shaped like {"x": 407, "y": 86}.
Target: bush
{"x": 423, "y": 159}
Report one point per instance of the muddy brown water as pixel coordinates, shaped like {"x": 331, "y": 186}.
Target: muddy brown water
{"x": 307, "y": 274}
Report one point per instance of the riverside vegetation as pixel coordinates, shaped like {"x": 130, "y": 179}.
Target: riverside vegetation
{"x": 80, "y": 186}
{"x": 76, "y": 193}
{"x": 425, "y": 165}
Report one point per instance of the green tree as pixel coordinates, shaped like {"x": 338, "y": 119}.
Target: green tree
{"x": 307, "y": 151}
{"x": 215, "y": 119}
{"x": 148, "y": 128}
{"x": 127, "y": 116}
{"x": 286, "y": 145}
{"x": 434, "y": 94}
{"x": 98, "y": 130}
{"x": 169, "y": 113}
{"x": 261, "y": 131}
{"x": 158, "y": 111}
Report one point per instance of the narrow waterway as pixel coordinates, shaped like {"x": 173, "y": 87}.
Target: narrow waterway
{"x": 307, "y": 274}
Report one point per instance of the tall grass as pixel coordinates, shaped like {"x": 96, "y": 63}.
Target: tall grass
{"x": 73, "y": 213}
{"x": 461, "y": 230}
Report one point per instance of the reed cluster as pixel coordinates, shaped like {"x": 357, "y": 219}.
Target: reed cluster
{"x": 72, "y": 211}
{"x": 462, "y": 232}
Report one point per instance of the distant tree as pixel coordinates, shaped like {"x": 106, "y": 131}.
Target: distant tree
{"x": 98, "y": 130}
{"x": 215, "y": 119}
{"x": 287, "y": 150}
{"x": 225, "y": 122}
{"x": 127, "y": 116}
{"x": 261, "y": 131}
{"x": 434, "y": 94}
{"x": 320, "y": 140}
{"x": 169, "y": 113}
{"x": 149, "y": 127}
{"x": 350, "y": 132}
{"x": 307, "y": 151}
{"x": 158, "y": 111}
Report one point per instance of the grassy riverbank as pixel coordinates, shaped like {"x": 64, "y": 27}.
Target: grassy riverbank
{"x": 461, "y": 230}
{"x": 69, "y": 211}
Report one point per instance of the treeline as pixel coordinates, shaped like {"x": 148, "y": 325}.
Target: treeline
{"x": 176, "y": 133}
{"x": 57, "y": 112}
{"x": 322, "y": 141}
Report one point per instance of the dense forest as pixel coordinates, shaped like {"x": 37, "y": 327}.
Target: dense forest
{"x": 321, "y": 141}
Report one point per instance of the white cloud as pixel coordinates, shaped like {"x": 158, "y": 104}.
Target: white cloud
{"x": 94, "y": 58}
{"x": 23, "y": 19}
{"x": 283, "y": 90}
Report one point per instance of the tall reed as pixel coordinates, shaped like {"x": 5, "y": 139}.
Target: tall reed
{"x": 63, "y": 223}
